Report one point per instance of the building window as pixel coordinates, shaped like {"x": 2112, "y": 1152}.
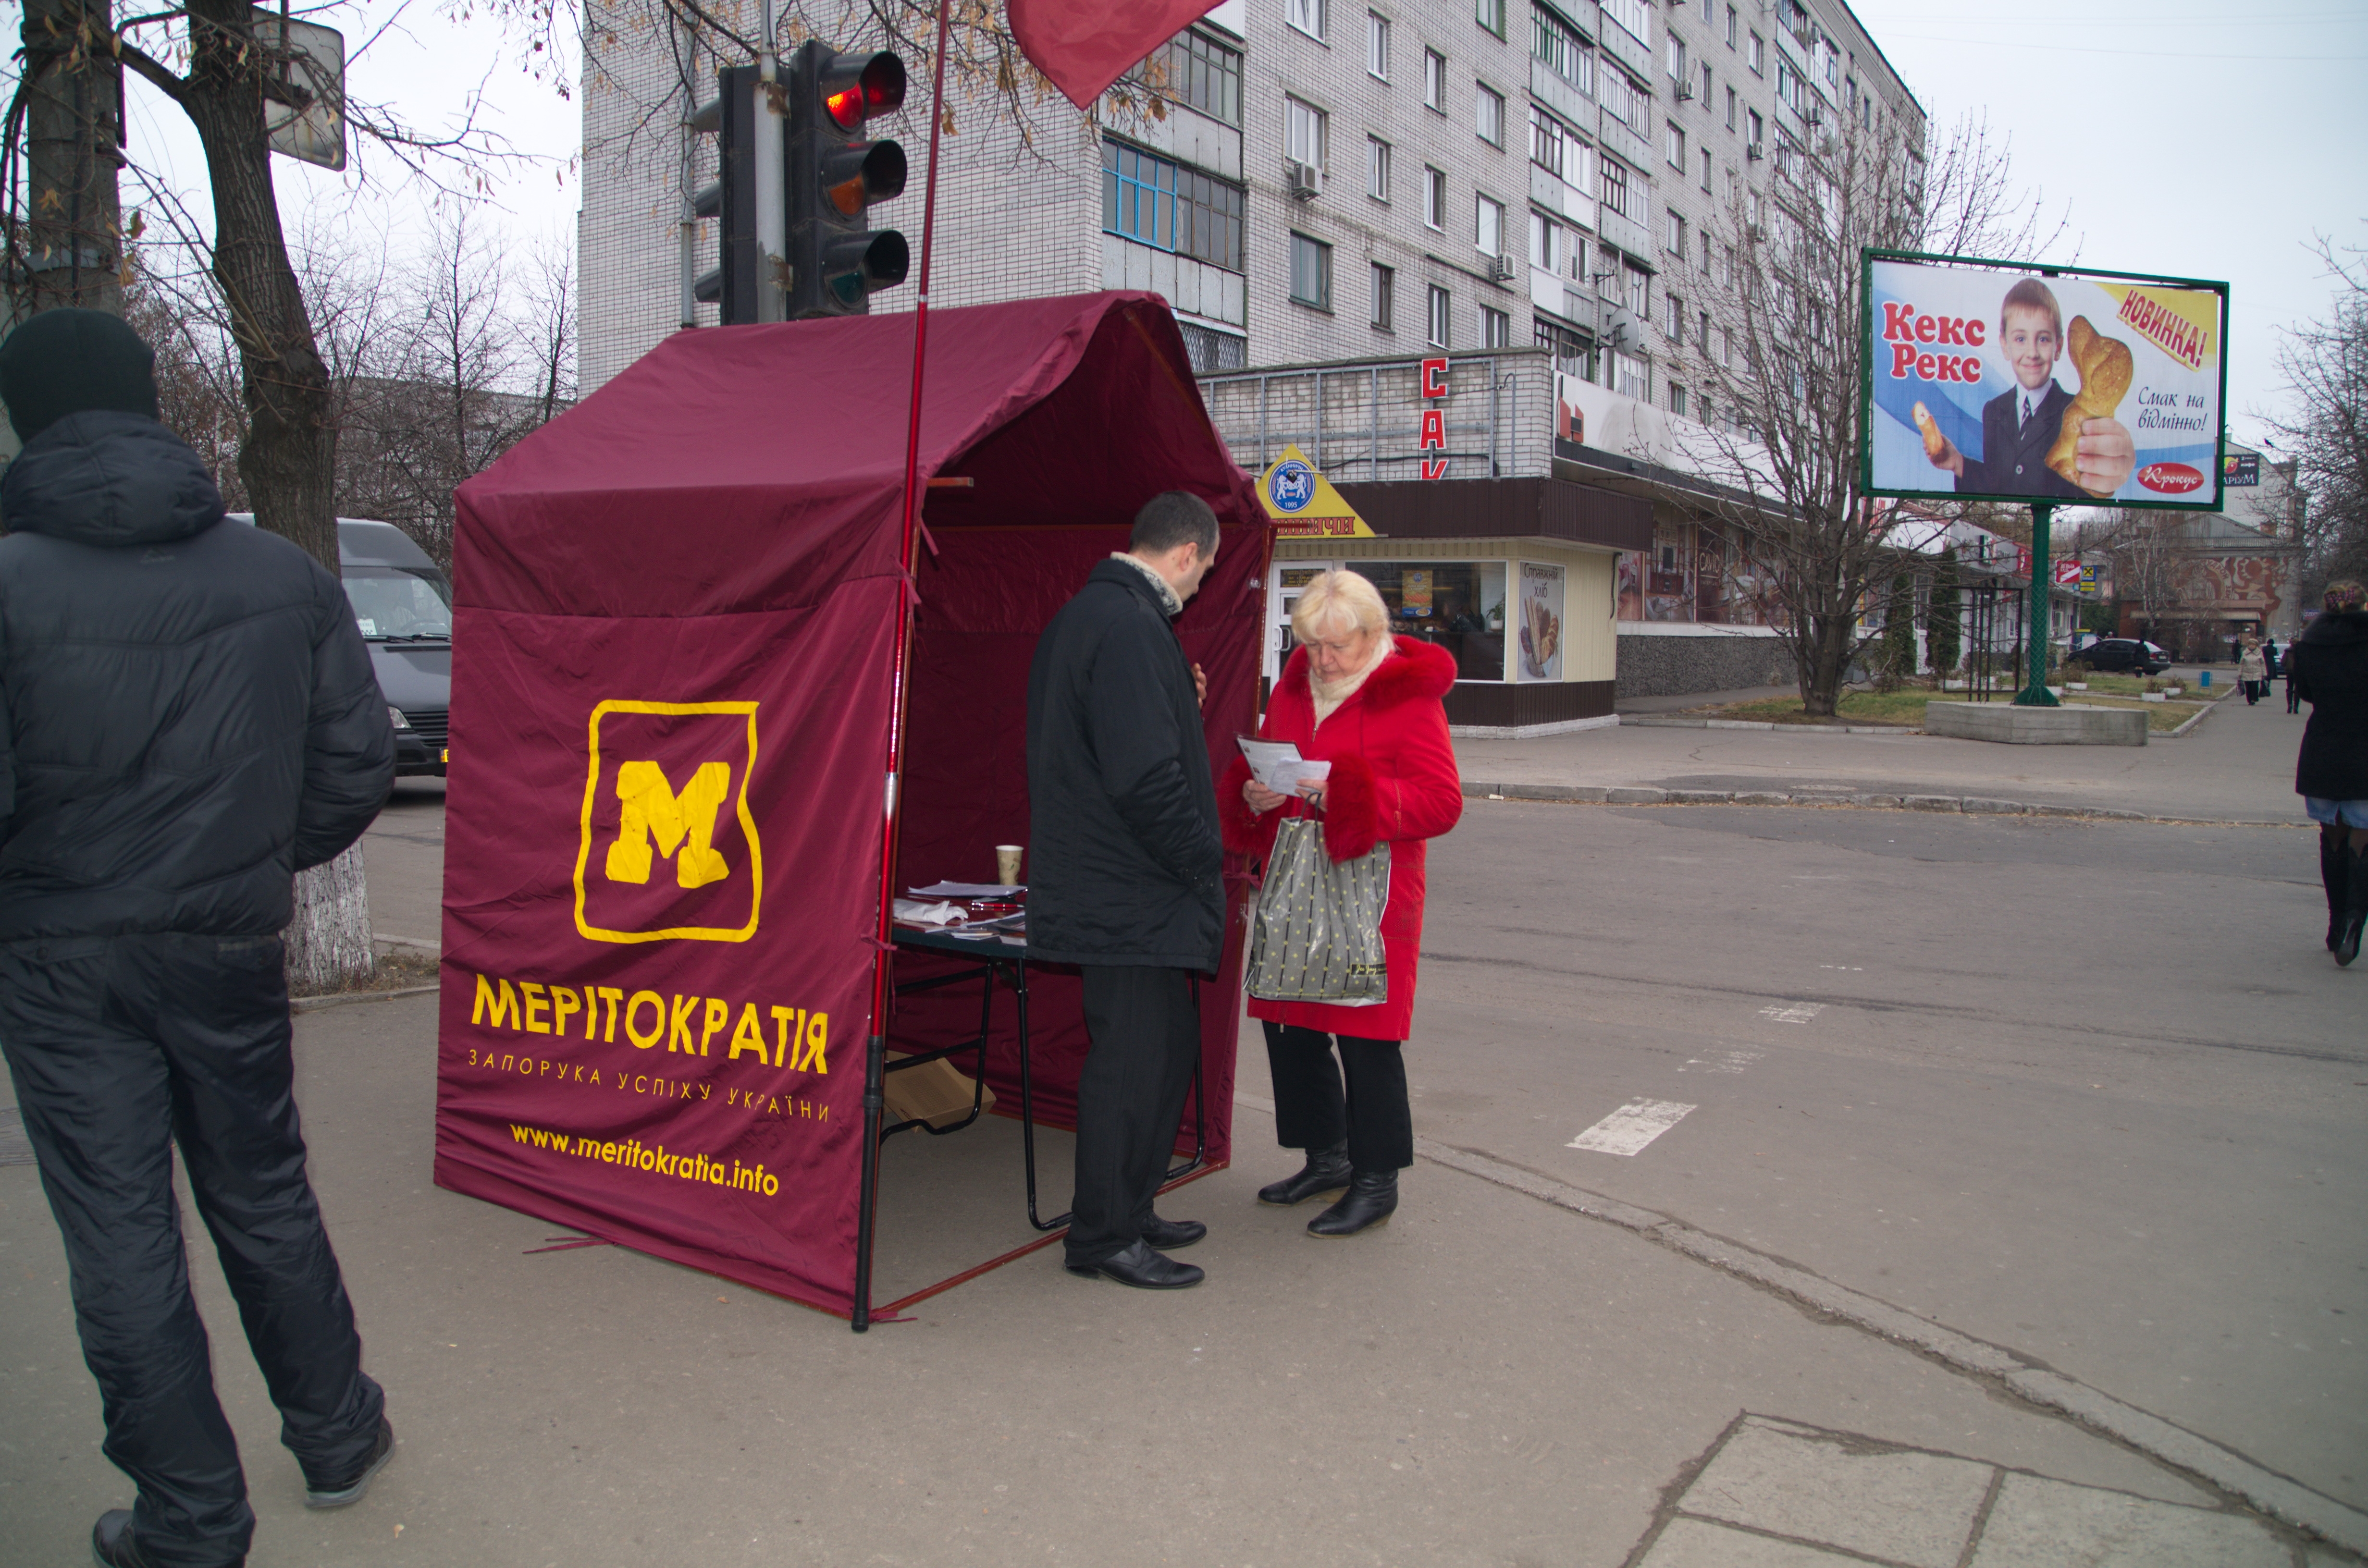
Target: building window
{"x": 1305, "y": 132}
{"x": 1171, "y": 206}
{"x": 1677, "y": 319}
{"x": 1757, "y": 56}
{"x": 1676, "y": 59}
{"x": 1490, "y": 13}
{"x": 1377, "y": 45}
{"x": 1546, "y": 247}
{"x": 1496, "y": 329}
{"x": 1197, "y": 71}
{"x": 1488, "y": 226}
{"x": 1311, "y": 272}
{"x": 1553, "y": 42}
{"x": 1615, "y": 188}
{"x": 1673, "y": 236}
{"x": 1377, "y": 168}
{"x": 1630, "y": 377}
{"x": 1726, "y": 348}
{"x": 1385, "y": 294}
{"x": 1213, "y": 351}
{"x": 1434, "y": 80}
{"x": 1488, "y": 117}
{"x": 1574, "y": 352}
{"x": 1437, "y": 331}
{"x": 1626, "y": 102}
{"x": 1307, "y": 16}
{"x": 1733, "y": 17}
{"x": 1674, "y": 141}
{"x": 1677, "y": 398}
{"x": 1730, "y": 109}
{"x": 1705, "y": 170}
{"x": 1434, "y": 200}
{"x": 1633, "y": 14}
{"x": 1637, "y": 289}
{"x": 1705, "y": 88}
{"x": 1755, "y": 131}
{"x": 1548, "y": 141}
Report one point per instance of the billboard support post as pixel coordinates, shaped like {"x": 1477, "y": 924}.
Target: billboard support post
{"x": 2035, "y": 620}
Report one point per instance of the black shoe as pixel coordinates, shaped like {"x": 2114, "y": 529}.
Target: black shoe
{"x": 1140, "y": 1267}
{"x": 349, "y": 1491}
{"x": 1327, "y": 1170}
{"x": 2334, "y": 864}
{"x": 111, "y": 1545}
{"x": 1167, "y": 1235}
{"x": 2348, "y": 947}
{"x": 1371, "y": 1198}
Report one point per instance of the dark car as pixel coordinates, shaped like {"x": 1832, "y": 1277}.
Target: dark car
{"x": 2115, "y": 654}
{"x": 403, "y": 605}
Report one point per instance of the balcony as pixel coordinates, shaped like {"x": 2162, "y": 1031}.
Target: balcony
{"x": 1557, "y": 196}
{"x": 1632, "y": 148}
{"x": 1626, "y": 234}
{"x": 1628, "y": 49}
{"x": 1558, "y": 95}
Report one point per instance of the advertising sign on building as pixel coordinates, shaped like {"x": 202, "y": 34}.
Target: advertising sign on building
{"x": 1302, "y": 503}
{"x": 1540, "y": 621}
{"x": 2238, "y": 469}
{"x": 1995, "y": 380}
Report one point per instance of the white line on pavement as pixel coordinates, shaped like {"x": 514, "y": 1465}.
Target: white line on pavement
{"x": 1792, "y": 1011}
{"x": 1724, "y": 1061}
{"x": 1629, "y": 1129}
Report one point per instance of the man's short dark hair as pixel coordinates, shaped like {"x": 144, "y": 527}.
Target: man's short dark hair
{"x": 1170, "y": 519}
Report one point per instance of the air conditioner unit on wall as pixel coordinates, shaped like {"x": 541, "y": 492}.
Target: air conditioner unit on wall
{"x": 1685, "y": 91}
{"x": 1755, "y": 150}
{"x": 1501, "y": 267}
{"x": 1304, "y": 180}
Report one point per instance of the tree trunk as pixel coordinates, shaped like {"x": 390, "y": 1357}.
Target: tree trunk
{"x": 74, "y": 238}
{"x": 288, "y": 461}
{"x": 1824, "y": 659}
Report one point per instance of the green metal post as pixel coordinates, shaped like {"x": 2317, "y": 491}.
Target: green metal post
{"x": 2034, "y": 693}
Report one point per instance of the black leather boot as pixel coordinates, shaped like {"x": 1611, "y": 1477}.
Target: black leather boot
{"x": 2333, "y": 859}
{"x": 1371, "y": 1198}
{"x": 2355, "y": 918}
{"x": 1327, "y": 1170}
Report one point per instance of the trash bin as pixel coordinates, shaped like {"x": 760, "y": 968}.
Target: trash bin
{"x": 2204, "y": 677}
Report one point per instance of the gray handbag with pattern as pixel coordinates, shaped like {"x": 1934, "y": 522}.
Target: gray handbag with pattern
{"x": 1319, "y": 923}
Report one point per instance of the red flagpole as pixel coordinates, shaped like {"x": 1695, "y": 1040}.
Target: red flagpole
{"x": 875, "y": 1050}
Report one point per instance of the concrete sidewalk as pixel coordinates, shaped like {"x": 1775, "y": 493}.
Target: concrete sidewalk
{"x": 1488, "y": 1379}
{"x": 2237, "y": 766}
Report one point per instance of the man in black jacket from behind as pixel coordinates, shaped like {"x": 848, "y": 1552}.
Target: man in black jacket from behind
{"x": 1124, "y": 879}
{"x": 189, "y": 717}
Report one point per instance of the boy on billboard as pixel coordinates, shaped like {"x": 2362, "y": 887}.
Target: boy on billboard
{"x": 2020, "y": 425}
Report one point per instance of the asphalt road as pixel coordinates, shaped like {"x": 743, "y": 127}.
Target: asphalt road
{"x": 2089, "y": 1091}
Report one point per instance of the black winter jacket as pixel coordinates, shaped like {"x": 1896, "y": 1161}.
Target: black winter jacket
{"x": 190, "y": 712}
{"x": 1125, "y": 858}
{"x": 2328, "y": 667}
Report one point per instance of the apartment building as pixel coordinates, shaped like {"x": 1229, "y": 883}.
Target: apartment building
{"x": 1336, "y": 187}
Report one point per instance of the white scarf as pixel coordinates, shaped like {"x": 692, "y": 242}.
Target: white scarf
{"x": 1168, "y": 600}
{"x": 1330, "y": 695}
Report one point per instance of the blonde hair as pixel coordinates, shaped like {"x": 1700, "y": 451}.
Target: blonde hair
{"x": 1332, "y": 597}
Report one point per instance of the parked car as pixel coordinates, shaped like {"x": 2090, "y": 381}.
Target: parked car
{"x": 2116, "y": 654}
{"x": 403, "y": 605}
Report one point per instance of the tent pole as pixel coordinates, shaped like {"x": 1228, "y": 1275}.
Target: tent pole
{"x": 876, "y": 1045}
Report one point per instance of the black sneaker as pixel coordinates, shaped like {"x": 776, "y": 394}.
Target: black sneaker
{"x": 349, "y": 1491}
{"x": 111, "y": 1545}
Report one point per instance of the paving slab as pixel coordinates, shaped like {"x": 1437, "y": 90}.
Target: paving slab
{"x": 1695, "y": 1543}
{"x": 2039, "y": 1523}
{"x": 1903, "y": 1506}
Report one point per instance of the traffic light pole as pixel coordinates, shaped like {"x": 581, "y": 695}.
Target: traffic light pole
{"x": 2034, "y": 693}
{"x": 875, "y": 1043}
{"x": 772, "y": 208}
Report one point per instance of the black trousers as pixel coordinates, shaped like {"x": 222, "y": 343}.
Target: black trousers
{"x": 1145, "y": 1036}
{"x": 121, "y": 1047}
{"x": 1311, "y": 1111}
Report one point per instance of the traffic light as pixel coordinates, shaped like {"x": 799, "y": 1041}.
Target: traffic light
{"x": 835, "y": 263}
{"x": 732, "y": 119}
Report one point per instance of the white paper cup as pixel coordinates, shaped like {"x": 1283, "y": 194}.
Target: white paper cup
{"x": 1007, "y": 863}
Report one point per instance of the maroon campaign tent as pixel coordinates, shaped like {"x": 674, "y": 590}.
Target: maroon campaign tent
{"x": 677, "y": 611}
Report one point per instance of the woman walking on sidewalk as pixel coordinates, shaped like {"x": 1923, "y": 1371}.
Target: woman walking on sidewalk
{"x": 2252, "y": 671}
{"x": 2329, "y": 667}
{"x": 1368, "y": 703}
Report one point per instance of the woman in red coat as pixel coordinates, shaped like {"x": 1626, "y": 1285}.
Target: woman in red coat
{"x": 1369, "y": 704}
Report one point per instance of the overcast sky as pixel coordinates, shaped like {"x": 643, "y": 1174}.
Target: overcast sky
{"x": 2189, "y": 137}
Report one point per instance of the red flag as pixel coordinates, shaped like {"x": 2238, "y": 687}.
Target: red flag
{"x": 1084, "y": 45}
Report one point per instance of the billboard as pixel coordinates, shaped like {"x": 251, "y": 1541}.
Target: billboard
{"x": 1996, "y": 381}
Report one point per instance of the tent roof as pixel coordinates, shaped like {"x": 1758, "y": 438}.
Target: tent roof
{"x": 783, "y": 448}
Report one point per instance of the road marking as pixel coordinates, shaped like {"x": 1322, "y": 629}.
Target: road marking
{"x": 1629, "y": 1129}
{"x": 1724, "y": 1061}
{"x": 1846, "y": 968}
{"x": 1792, "y": 1011}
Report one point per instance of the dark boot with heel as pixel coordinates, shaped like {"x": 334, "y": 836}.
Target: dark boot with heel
{"x": 1371, "y": 1198}
{"x": 1327, "y": 1170}
{"x": 2355, "y": 918}
{"x": 2333, "y": 859}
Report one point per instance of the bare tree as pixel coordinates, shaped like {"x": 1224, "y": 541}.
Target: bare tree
{"x": 1780, "y": 367}
{"x": 2326, "y": 365}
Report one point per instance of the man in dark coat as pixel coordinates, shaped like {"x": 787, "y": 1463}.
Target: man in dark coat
{"x": 187, "y": 717}
{"x": 2327, "y": 667}
{"x": 1126, "y": 881}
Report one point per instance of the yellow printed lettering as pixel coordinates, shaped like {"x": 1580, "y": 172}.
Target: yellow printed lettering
{"x": 614, "y": 997}
{"x": 563, "y": 1005}
{"x": 652, "y": 808}
{"x": 633, "y": 1010}
{"x": 782, "y": 1018}
{"x": 535, "y": 1004}
{"x": 496, "y": 1004}
{"x": 719, "y": 1013}
{"x": 681, "y": 1030}
{"x": 817, "y": 1042}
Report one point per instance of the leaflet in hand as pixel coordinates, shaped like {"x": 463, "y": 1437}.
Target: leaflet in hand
{"x": 1279, "y": 766}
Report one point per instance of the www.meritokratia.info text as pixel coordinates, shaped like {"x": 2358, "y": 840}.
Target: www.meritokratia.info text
{"x": 635, "y": 1155}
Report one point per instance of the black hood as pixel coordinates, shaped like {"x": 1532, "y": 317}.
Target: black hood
{"x": 108, "y": 479}
{"x": 2335, "y": 629}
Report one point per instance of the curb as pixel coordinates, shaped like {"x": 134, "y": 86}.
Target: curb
{"x": 315, "y": 1003}
{"x": 1662, "y": 721}
{"x": 1971, "y": 805}
{"x": 2278, "y": 1496}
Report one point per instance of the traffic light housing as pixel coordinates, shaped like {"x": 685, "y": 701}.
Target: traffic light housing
{"x": 835, "y": 263}
{"x": 732, "y": 118}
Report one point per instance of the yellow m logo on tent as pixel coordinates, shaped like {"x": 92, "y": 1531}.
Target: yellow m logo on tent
{"x": 652, "y": 808}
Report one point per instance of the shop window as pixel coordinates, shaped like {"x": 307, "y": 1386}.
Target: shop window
{"x": 1455, "y": 605}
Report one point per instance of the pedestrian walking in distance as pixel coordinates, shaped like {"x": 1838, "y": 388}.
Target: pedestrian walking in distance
{"x": 2329, "y": 667}
{"x": 1368, "y": 703}
{"x": 1126, "y": 881}
{"x": 2252, "y": 671}
{"x": 190, "y": 718}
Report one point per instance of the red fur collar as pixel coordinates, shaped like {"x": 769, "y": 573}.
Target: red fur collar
{"x": 1413, "y": 672}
